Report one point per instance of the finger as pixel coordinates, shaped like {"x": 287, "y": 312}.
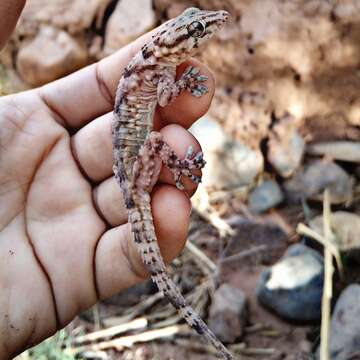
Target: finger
{"x": 92, "y": 146}
{"x": 89, "y": 92}
{"x": 109, "y": 202}
{"x": 118, "y": 265}
{"x": 179, "y": 140}
{"x": 10, "y": 11}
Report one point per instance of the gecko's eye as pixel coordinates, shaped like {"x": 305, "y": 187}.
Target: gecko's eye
{"x": 196, "y": 29}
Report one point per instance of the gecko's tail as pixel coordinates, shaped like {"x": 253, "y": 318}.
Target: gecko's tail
{"x": 172, "y": 293}
{"x": 145, "y": 239}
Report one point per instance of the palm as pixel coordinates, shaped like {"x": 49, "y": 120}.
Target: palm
{"x": 64, "y": 240}
{"x": 49, "y": 223}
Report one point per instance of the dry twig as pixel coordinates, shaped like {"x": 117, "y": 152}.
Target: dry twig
{"x": 128, "y": 341}
{"x": 328, "y": 285}
{"x": 198, "y": 254}
{"x": 201, "y": 203}
{"x": 330, "y": 251}
{"x": 243, "y": 254}
{"x": 305, "y": 230}
{"x": 112, "y": 331}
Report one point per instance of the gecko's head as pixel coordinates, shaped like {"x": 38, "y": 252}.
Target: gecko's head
{"x": 183, "y": 36}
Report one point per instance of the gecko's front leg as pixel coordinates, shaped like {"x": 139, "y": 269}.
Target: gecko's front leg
{"x": 191, "y": 80}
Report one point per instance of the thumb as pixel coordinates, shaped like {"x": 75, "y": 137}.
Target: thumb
{"x": 10, "y": 11}
{"x": 117, "y": 262}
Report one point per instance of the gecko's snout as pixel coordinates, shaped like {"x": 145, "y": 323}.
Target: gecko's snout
{"x": 224, "y": 15}
{"x": 222, "y": 18}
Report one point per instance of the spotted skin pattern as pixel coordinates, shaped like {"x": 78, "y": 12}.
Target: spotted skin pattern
{"x": 148, "y": 80}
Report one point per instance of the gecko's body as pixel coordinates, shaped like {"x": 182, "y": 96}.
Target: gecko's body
{"x": 148, "y": 80}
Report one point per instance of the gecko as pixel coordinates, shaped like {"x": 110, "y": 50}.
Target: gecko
{"x": 147, "y": 81}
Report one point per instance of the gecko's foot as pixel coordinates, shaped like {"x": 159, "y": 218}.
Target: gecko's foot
{"x": 184, "y": 167}
{"x": 198, "y": 90}
{"x": 178, "y": 167}
{"x": 192, "y": 161}
{"x": 193, "y": 80}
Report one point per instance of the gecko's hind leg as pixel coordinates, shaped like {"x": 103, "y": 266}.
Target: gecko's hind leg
{"x": 177, "y": 166}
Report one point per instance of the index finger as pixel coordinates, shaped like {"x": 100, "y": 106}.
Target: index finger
{"x": 85, "y": 94}
{"x": 10, "y": 11}
{"x": 186, "y": 108}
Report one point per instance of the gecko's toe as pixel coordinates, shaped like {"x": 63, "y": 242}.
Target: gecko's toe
{"x": 193, "y": 71}
{"x": 191, "y": 162}
{"x": 179, "y": 185}
{"x": 201, "y": 78}
{"x": 195, "y": 179}
{"x": 189, "y": 152}
{"x": 198, "y": 160}
{"x": 199, "y": 90}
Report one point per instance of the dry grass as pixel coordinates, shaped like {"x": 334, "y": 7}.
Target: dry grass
{"x": 331, "y": 252}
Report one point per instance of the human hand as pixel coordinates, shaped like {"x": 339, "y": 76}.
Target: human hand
{"x": 64, "y": 238}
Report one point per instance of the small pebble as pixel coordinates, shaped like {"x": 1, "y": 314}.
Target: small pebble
{"x": 338, "y": 150}
{"x": 318, "y": 175}
{"x": 286, "y": 147}
{"x": 228, "y": 162}
{"x": 51, "y": 54}
{"x": 345, "y": 325}
{"x": 346, "y": 227}
{"x": 292, "y": 288}
{"x": 265, "y": 196}
{"x": 129, "y": 20}
{"x": 228, "y": 313}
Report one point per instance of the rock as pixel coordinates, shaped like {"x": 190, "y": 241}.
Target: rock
{"x": 171, "y": 8}
{"x": 228, "y": 313}
{"x": 292, "y": 288}
{"x": 133, "y": 295}
{"x": 317, "y": 129}
{"x": 346, "y": 227}
{"x": 265, "y": 196}
{"x": 241, "y": 113}
{"x": 129, "y": 20}
{"x": 312, "y": 181}
{"x": 286, "y": 146}
{"x": 338, "y": 150}
{"x": 51, "y": 54}
{"x": 229, "y": 163}
{"x": 345, "y": 325}
{"x": 345, "y": 10}
{"x": 71, "y": 15}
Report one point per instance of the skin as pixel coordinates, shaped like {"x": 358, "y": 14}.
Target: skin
{"x": 10, "y": 11}
{"x": 64, "y": 239}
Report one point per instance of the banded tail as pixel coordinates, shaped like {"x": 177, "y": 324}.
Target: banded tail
{"x": 140, "y": 217}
